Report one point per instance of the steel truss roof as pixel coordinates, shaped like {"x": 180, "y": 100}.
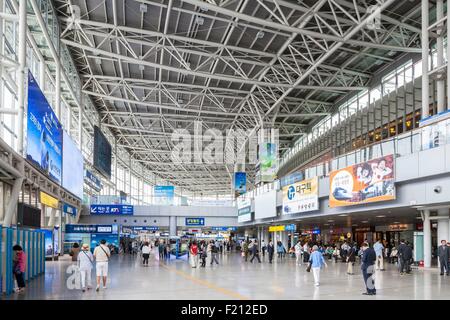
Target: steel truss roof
{"x": 154, "y": 66}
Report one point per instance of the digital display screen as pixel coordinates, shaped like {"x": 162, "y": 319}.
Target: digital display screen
{"x": 73, "y": 174}
{"x": 102, "y": 153}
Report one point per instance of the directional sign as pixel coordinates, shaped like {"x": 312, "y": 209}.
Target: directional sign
{"x": 112, "y": 209}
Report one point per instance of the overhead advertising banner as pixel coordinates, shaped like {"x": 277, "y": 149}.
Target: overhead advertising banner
{"x": 72, "y": 177}
{"x": 112, "y": 209}
{"x": 244, "y": 206}
{"x": 137, "y": 229}
{"x": 291, "y": 179}
{"x": 266, "y": 205}
{"x": 91, "y": 228}
{"x": 164, "y": 195}
{"x": 301, "y": 196}
{"x": 268, "y": 159}
{"x": 370, "y": 181}
{"x": 44, "y": 133}
{"x": 67, "y": 208}
{"x": 195, "y": 221}
{"x": 240, "y": 183}
{"x": 49, "y": 201}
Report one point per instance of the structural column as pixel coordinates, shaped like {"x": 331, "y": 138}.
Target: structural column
{"x": 442, "y": 225}
{"x": 172, "y": 225}
{"x": 426, "y": 238}
{"x": 21, "y": 78}
{"x": 58, "y": 90}
{"x": 425, "y": 54}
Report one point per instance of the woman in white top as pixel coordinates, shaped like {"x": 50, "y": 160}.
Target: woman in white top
{"x": 298, "y": 253}
{"x": 85, "y": 263}
{"x": 146, "y": 253}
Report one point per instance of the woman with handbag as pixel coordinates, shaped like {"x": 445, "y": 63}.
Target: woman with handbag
{"x": 19, "y": 261}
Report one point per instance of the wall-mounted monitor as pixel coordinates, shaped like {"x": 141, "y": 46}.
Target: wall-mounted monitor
{"x": 102, "y": 153}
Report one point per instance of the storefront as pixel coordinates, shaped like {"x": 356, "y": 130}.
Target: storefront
{"x": 361, "y": 234}
{"x": 92, "y": 235}
{"x": 334, "y": 235}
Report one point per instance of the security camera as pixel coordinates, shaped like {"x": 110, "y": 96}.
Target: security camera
{"x": 437, "y": 189}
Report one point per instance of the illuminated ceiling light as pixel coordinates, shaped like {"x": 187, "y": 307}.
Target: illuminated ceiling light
{"x": 381, "y": 216}
{"x": 343, "y": 215}
{"x": 260, "y": 35}
{"x": 365, "y": 221}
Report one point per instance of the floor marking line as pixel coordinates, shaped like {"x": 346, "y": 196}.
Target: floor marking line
{"x": 207, "y": 284}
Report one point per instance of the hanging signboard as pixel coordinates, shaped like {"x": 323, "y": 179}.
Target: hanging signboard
{"x": 370, "y": 181}
{"x": 301, "y": 196}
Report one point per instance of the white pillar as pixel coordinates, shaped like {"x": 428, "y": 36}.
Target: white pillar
{"x": 426, "y": 238}
{"x": 58, "y": 90}
{"x": 22, "y": 76}
{"x": 425, "y": 53}
{"x": 51, "y": 221}
{"x": 172, "y": 225}
{"x": 440, "y": 84}
{"x": 443, "y": 226}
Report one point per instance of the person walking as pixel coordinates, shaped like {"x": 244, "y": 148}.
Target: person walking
{"x": 245, "y": 250}
{"x": 193, "y": 254}
{"x": 161, "y": 250}
{"x": 280, "y": 250}
{"x": 379, "y": 263}
{"x": 85, "y": 262}
{"x": 214, "y": 252}
{"x": 255, "y": 252}
{"x": 298, "y": 253}
{"x": 367, "y": 267}
{"x": 316, "y": 261}
{"x": 270, "y": 251}
{"x": 306, "y": 252}
{"x": 145, "y": 253}
{"x": 74, "y": 251}
{"x": 444, "y": 257}
{"x": 19, "y": 266}
{"x": 351, "y": 259}
{"x": 263, "y": 248}
{"x": 102, "y": 255}
{"x": 404, "y": 256}
{"x": 203, "y": 254}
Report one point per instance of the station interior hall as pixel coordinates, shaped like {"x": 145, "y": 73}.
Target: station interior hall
{"x": 224, "y": 150}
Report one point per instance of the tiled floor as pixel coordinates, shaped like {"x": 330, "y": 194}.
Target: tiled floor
{"x": 235, "y": 279}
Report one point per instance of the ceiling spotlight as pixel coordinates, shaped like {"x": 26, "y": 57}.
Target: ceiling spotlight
{"x": 381, "y": 216}
{"x": 343, "y": 215}
{"x": 143, "y": 8}
{"x": 98, "y": 61}
{"x": 200, "y": 21}
{"x": 260, "y": 34}
{"x": 365, "y": 221}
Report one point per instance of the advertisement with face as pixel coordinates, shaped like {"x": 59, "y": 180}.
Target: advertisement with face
{"x": 44, "y": 133}
{"x": 370, "y": 181}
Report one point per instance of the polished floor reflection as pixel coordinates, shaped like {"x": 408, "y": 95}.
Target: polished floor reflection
{"x": 236, "y": 279}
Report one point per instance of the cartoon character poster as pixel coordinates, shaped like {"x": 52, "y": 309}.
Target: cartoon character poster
{"x": 370, "y": 181}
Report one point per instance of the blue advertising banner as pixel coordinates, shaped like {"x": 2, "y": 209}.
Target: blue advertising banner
{"x": 67, "y": 208}
{"x": 225, "y": 229}
{"x": 44, "y": 133}
{"x": 112, "y": 209}
{"x": 91, "y": 228}
{"x": 195, "y": 221}
{"x": 240, "y": 183}
{"x": 164, "y": 195}
{"x": 136, "y": 229}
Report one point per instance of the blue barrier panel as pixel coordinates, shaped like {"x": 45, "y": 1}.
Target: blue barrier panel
{"x": 33, "y": 261}
{"x": 29, "y": 254}
{"x": 9, "y": 262}
{"x": 42, "y": 251}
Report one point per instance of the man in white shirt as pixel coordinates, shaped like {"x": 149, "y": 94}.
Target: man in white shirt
{"x": 85, "y": 263}
{"x": 298, "y": 253}
{"x": 102, "y": 255}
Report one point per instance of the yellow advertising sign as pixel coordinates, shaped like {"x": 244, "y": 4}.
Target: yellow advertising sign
{"x": 361, "y": 183}
{"x": 48, "y": 200}
{"x": 301, "y": 196}
{"x": 276, "y": 228}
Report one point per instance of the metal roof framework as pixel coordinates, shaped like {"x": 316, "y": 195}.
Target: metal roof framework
{"x": 152, "y": 67}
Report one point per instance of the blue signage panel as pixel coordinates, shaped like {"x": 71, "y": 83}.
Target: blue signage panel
{"x": 67, "y": 208}
{"x": 91, "y": 228}
{"x": 92, "y": 180}
{"x": 224, "y": 228}
{"x": 136, "y": 229}
{"x": 44, "y": 133}
{"x": 290, "y": 227}
{"x": 112, "y": 209}
{"x": 195, "y": 221}
{"x": 164, "y": 195}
